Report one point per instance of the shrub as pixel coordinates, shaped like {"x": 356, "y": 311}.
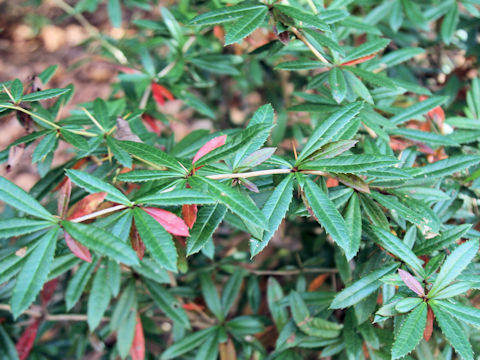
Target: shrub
{"x": 335, "y": 222}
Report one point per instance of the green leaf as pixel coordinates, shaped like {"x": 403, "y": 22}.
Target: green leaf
{"x": 353, "y": 221}
{"x": 34, "y": 273}
{"x": 198, "y": 105}
{"x": 367, "y": 48}
{"x": 226, "y": 14}
{"x": 411, "y": 332}
{"x": 168, "y": 304}
{"x": 150, "y": 155}
{"x": 274, "y": 295}
{"x": 74, "y": 139}
{"x": 455, "y": 263}
{"x": 447, "y": 166}
{"x": 428, "y": 138}
{"x": 453, "y": 331}
{"x": 330, "y": 129}
{"x": 361, "y": 288}
{"x": 449, "y": 23}
{"x": 99, "y": 298}
{"x": 303, "y": 16}
{"x": 100, "y": 111}
{"x": 235, "y": 201}
{"x": 408, "y": 304}
{"x": 150, "y": 270}
{"x": 114, "y": 274}
{"x": 327, "y": 214}
{"x": 47, "y": 74}
{"x": 7, "y": 347}
{"x": 44, "y": 94}
{"x": 176, "y": 197}
{"x": 398, "y": 248}
{"x": 334, "y": 149}
{"x": 208, "y": 219}
{"x": 398, "y": 56}
{"x": 156, "y": 239}
{"x": 16, "y": 227}
{"x": 209, "y": 349}
{"x": 126, "y": 304}
{"x": 245, "y": 25}
{"x": 231, "y": 290}
{"x": 274, "y": 210}
{"x": 120, "y": 155}
{"x": 148, "y": 175}
{"x": 416, "y": 111}
{"x": 443, "y": 240}
{"x": 465, "y": 314}
{"x": 338, "y": 86}
{"x": 18, "y": 198}
{"x": 16, "y": 89}
{"x": 210, "y": 296}
{"x": 101, "y": 241}
{"x": 126, "y": 333}
{"x": 371, "y": 78}
{"x": 188, "y": 343}
{"x": 173, "y": 26}
{"x": 78, "y": 282}
{"x": 44, "y": 147}
{"x": 300, "y": 65}
{"x": 114, "y": 13}
{"x": 349, "y": 163}
{"x": 324, "y": 40}
{"x": 94, "y": 185}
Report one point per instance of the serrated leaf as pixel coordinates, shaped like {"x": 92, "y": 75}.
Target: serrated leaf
{"x": 77, "y": 283}
{"x": 337, "y": 83}
{"x": 47, "y": 74}
{"x": 188, "y": 343}
{"x": 236, "y": 202}
{"x": 353, "y": 220}
{"x": 453, "y": 331}
{"x": 466, "y": 314}
{"x": 156, "y": 239}
{"x": 17, "y": 227}
{"x": 209, "y": 146}
{"x": 330, "y": 129}
{"x": 411, "y": 282}
{"x": 449, "y": 23}
{"x": 6, "y": 346}
{"x": 367, "y": 48}
{"x": 44, "y": 94}
{"x": 95, "y": 185}
{"x": 447, "y": 166}
{"x": 225, "y": 14}
{"x": 231, "y": 290}
{"x": 99, "y": 298}
{"x": 44, "y": 147}
{"x": 176, "y": 197}
{"x": 455, "y": 263}
{"x": 274, "y": 295}
{"x": 120, "y": 155}
{"x": 408, "y": 304}
{"x": 324, "y": 40}
{"x": 303, "y": 16}
{"x": 74, "y": 139}
{"x": 274, "y": 210}
{"x": 327, "y": 214}
{"x": 411, "y": 332}
{"x": 148, "y": 175}
{"x": 443, "y": 240}
{"x": 417, "y": 110}
{"x": 151, "y": 155}
{"x": 349, "y": 163}
{"x": 245, "y": 25}
{"x": 168, "y": 304}
{"x": 360, "y": 289}
{"x": 300, "y": 65}
{"x": 210, "y": 296}
{"x": 398, "y": 248}
{"x": 169, "y": 221}
{"x": 371, "y": 78}
{"x": 429, "y": 138}
{"x": 208, "y": 219}
{"x": 99, "y": 240}
{"x": 34, "y": 272}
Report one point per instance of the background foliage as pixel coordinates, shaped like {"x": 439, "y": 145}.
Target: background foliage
{"x": 338, "y": 219}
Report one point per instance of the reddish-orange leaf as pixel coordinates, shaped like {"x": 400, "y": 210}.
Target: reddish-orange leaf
{"x": 189, "y": 214}
{"x": 427, "y": 333}
{"x": 170, "y": 222}
{"x": 64, "y": 198}
{"x": 127, "y": 70}
{"x": 359, "y": 60}
{"x": 79, "y": 250}
{"x": 87, "y": 205}
{"x": 48, "y": 290}
{"x": 137, "y": 351}
{"x": 209, "y": 146}
{"x": 160, "y": 93}
{"x": 25, "y": 343}
{"x": 317, "y": 282}
{"x": 219, "y": 33}
{"x": 193, "y": 307}
{"x": 136, "y": 241}
{"x": 152, "y": 123}
{"x": 331, "y": 182}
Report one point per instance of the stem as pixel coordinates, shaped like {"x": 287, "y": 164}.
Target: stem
{"x": 249, "y": 174}
{"x": 116, "y": 52}
{"x": 84, "y": 133}
{"x": 90, "y": 116}
{"x": 315, "y": 52}
{"x": 18, "y": 108}
{"x": 49, "y": 317}
{"x": 292, "y": 272}
{"x": 99, "y": 213}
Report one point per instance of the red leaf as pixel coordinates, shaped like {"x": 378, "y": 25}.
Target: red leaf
{"x": 78, "y": 249}
{"x": 64, "y": 198}
{"x": 171, "y": 222}
{"x": 427, "y": 333}
{"x": 48, "y": 291}
{"x": 152, "y": 123}
{"x": 137, "y": 351}
{"x": 209, "y": 146}
{"x": 411, "y": 282}
{"x": 136, "y": 241}
{"x": 193, "y": 307}
{"x": 25, "y": 343}
{"x": 87, "y": 205}
{"x": 189, "y": 214}
{"x": 359, "y": 60}
{"x": 160, "y": 93}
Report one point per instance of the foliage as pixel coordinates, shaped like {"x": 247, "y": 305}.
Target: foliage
{"x": 157, "y": 240}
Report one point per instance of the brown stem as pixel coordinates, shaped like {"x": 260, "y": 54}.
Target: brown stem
{"x": 315, "y": 52}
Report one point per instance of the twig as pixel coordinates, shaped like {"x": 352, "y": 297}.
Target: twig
{"x": 302, "y": 38}
{"x": 50, "y": 317}
{"x": 249, "y": 174}
{"x": 292, "y": 272}
{"x": 99, "y": 213}
{"x": 19, "y": 108}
